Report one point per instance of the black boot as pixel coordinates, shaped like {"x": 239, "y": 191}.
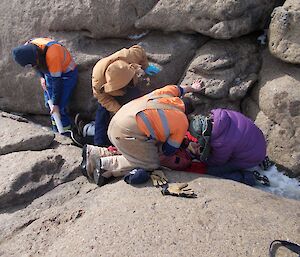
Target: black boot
{"x": 84, "y": 160}
{"x": 98, "y": 178}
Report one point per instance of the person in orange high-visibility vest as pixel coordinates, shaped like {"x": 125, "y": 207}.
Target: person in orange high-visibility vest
{"x": 141, "y": 130}
{"x": 57, "y": 71}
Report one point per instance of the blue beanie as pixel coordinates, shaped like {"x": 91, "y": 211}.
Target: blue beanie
{"x": 137, "y": 176}
{"x": 25, "y": 54}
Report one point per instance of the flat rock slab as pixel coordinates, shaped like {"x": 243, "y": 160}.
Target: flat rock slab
{"x": 18, "y": 134}
{"x": 29, "y": 174}
{"x": 227, "y": 219}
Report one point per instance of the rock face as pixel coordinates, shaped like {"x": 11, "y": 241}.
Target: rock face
{"x": 228, "y": 69}
{"x": 216, "y": 19}
{"x": 170, "y": 53}
{"x": 278, "y": 114}
{"x": 284, "y": 32}
{"x": 18, "y": 134}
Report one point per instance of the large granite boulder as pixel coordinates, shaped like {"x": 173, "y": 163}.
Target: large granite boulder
{"x": 277, "y": 113}
{"x": 217, "y": 19}
{"x": 228, "y": 70}
{"x": 32, "y": 161}
{"x": 18, "y": 134}
{"x": 284, "y": 32}
{"x": 27, "y": 175}
{"x": 96, "y": 19}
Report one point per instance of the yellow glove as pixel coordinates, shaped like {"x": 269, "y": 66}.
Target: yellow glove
{"x": 178, "y": 189}
{"x": 158, "y": 178}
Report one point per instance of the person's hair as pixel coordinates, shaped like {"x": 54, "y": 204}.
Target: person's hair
{"x": 188, "y": 105}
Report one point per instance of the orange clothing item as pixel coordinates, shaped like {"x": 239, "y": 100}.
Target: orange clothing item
{"x": 58, "y": 58}
{"x": 112, "y": 74}
{"x": 163, "y": 124}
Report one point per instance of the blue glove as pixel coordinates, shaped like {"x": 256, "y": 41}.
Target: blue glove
{"x": 152, "y": 70}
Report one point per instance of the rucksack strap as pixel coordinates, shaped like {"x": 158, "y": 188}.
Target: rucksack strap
{"x": 289, "y": 245}
{"x": 50, "y": 43}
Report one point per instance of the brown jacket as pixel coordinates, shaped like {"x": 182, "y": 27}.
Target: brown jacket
{"x": 113, "y": 73}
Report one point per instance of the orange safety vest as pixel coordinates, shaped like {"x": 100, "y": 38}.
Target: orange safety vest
{"x": 54, "y": 58}
{"x": 164, "y": 119}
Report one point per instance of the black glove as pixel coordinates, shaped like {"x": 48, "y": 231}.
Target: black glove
{"x": 178, "y": 189}
{"x": 265, "y": 164}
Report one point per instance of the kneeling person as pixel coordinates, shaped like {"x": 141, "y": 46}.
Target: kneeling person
{"x": 141, "y": 130}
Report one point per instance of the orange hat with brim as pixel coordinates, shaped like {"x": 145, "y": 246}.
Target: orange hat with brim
{"x": 118, "y": 75}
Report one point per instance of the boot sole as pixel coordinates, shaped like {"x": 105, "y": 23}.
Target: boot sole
{"x": 84, "y": 160}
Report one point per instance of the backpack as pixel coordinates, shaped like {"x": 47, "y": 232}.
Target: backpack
{"x": 181, "y": 160}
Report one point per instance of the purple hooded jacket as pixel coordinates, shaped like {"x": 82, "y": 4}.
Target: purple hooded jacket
{"x": 235, "y": 140}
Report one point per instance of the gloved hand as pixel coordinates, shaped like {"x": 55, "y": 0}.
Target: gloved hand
{"x": 158, "y": 178}
{"x": 178, "y": 189}
{"x": 265, "y": 164}
{"x": 152, "y": 70}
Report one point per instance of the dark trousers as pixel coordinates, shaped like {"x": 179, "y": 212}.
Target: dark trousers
{"x": 101, "y": 126}
{"x": 103, "y": 117}
{"x": 229, "y": 172}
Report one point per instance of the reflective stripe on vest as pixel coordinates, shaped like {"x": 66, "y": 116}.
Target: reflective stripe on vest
{"x": 147, "y": 123}
{"x": 71, "y": 65}
{"x": 160, "y": 107}
{"x": 69, "y": 68}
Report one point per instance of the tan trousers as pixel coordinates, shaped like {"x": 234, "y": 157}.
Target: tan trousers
{"x": 137, "y": 151}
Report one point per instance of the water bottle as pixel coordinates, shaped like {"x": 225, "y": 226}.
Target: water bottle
{"x": 56, "y": 118}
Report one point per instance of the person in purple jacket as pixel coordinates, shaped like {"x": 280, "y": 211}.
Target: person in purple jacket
{"x": 229, "y": 143}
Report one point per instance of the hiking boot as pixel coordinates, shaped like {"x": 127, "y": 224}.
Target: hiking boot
{"x": 98, "y": 178}
{"x": 262, "y": 179}
{"x": 80, "y": 122}
{"x": 83, "y": 162}
{"x": 91, "y": 165}
{"x": 76, "y": 138}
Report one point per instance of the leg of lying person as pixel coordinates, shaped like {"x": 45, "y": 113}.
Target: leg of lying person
{"x": 227, "y": 171}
